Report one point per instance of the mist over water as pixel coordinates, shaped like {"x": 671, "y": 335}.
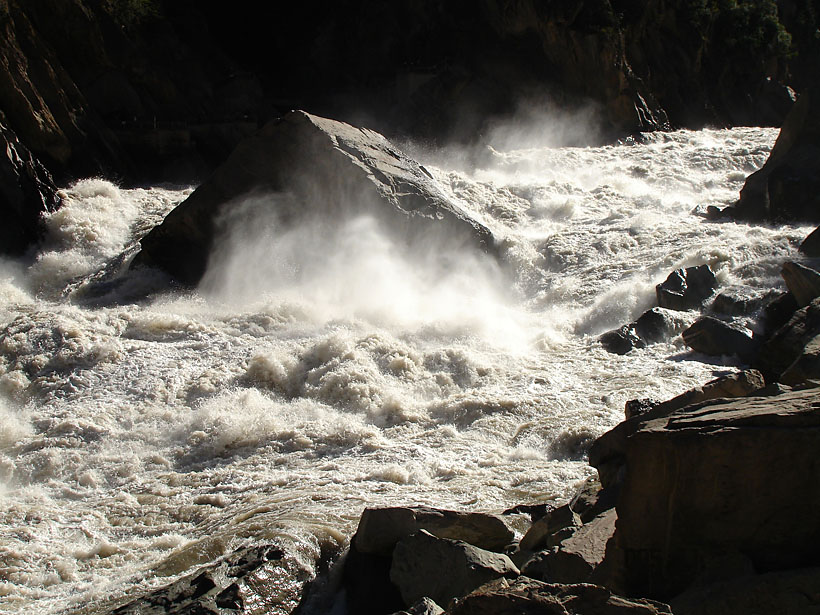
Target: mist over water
{"x": 328, "y": 365}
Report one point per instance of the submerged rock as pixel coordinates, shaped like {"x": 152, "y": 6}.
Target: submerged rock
{"x": 316, "y": 167}
{"x": 653, "y": 326}
{"x": 232, "y": 585}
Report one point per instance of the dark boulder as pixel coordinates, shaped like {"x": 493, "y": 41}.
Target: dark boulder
{"x": 637, "y": 407}
{"x": 621, "y": 340}
{"x": 716, "y": 338}
{"x": 26, "y": 192}
{"x": 803, "y": 283}
{"x": 811, "y": 244}
{"x": 806, "y": 367}
{"x": 735, "y": 303}
{"x": 381, "y": 528}
{"x": 686, "y": 289}
{"x": 557, "y": 525}
{"x": 777, "y": 312}
{"x": 366, "y": 573}
{"x": 315, "y": 167}
{"x": 443, "y": 569}
{"x": 575, "y": 558}
{"x": 425, "y": 606}
{"x": 652, "y": 326}
{"x": 786, "y": 345}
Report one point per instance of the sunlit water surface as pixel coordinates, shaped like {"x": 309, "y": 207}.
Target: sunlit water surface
{"x": 314, "y": 375}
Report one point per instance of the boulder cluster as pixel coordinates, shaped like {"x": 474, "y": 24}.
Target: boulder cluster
{"x": 702, "y": 504}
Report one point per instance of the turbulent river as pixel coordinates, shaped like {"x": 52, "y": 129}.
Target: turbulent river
{"x": 311, "y": 376}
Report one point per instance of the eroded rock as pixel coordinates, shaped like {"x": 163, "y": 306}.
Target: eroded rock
{"x": 787, "y": 187}
{"x": 26, "y": 192}
{"x": 607, "y": 453}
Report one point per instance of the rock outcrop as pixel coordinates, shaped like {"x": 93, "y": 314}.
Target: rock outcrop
{"x": 787, "y": 187}
{"x": 314, "y": 166}
{"x": 608, "y": 453}
{"x": 719, "y": 487}
{"x": 369, "y": 579}
{"x": 381, "y": 528}
{"x": 787, "y": 344}
{"x": 26, "y": 192}
{"x": 234, "y": 584}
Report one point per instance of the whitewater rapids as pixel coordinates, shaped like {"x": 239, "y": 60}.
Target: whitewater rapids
{"x": 312, "y": 375}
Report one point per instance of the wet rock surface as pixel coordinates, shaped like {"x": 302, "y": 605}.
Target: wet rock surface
{"x": 303, "y": 165}
{"x": 686, "y": 289}
{"x": 247, "y": 580}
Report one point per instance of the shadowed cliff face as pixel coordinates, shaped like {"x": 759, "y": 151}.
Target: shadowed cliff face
{"x": 163, "y": 90}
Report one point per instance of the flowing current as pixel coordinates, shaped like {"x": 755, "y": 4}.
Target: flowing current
{"x": 312, "y": 375}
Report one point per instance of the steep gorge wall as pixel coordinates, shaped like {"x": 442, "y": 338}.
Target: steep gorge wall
{"x": 162, "y": 90}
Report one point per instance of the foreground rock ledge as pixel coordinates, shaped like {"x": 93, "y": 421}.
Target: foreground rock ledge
{"x": 318, "y": 167}
{"x": 720, "y": 487}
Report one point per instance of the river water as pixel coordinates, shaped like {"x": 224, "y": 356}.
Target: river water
{"x": 312, "y": 376}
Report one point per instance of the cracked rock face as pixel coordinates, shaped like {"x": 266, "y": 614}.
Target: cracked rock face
{"x": 303, "y": 165}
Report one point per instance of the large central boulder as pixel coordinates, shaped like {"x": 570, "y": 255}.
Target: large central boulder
{"x": 314, "y": 166}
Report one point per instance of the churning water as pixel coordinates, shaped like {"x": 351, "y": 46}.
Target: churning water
{"x": 326, "y": 369}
